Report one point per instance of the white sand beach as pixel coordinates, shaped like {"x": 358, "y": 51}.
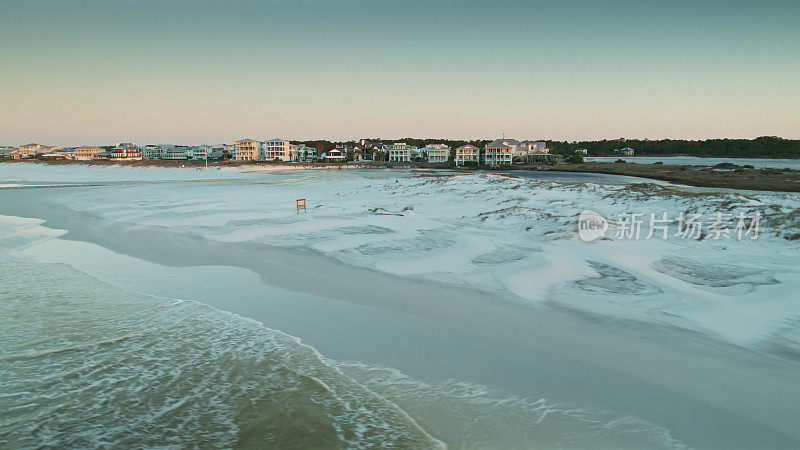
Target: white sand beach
{"x": 464, "y": 302}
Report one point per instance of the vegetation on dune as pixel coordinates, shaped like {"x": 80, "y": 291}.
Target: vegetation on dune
{"x": 761, "y": 147}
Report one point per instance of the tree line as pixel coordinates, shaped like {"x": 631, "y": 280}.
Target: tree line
{"x": 765, "y": 146}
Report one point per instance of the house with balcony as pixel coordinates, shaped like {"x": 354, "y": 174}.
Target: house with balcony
{"x": 400, "y": 152}
{"x": 248, "y": 150}
{"x": 467, "y": 153}
{"x": 174, "y": 152}
{"x": 336, "y": 155}
{"x": 125, "y": 151}
{"x": 278, "y": 150}
{"x": 86, "y": 153}
{"x": 436, "y": 153}
{"x": 151, "y": 152}
{"x": 305, "y": 154}
{"x": 29, "y": 150}
{"x": 500, "y": 152}
{"x": 199, "y": 152}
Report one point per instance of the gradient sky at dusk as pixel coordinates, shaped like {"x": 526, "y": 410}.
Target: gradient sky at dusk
{"x": 95, "y": 72}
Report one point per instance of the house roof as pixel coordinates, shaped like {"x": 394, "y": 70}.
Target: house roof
{"x": 503, "y": 143}
{"x": 464, "y": 147}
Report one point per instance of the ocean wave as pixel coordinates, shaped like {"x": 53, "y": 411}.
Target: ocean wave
{"x": 87, "y": 365}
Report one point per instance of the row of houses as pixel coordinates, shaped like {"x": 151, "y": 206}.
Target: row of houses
{"x": 498, "y": 152}
{"x": 121, "y": 151}
{"x": 271, "y": 150}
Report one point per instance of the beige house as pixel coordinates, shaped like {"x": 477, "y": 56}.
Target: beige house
{"x": 86, "y": 153}
{"x": 125, "y": 152}
{"x": 34, "y": 149}
{"x": 248, "y": 150}
{"x": 467, "y": 153}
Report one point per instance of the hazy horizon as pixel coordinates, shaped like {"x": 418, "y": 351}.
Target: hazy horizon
{"x": 193, "y": 72}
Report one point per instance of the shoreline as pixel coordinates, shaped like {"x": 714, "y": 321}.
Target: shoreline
{"x": 543, "y": 344}
{"x": 739, "y": 178}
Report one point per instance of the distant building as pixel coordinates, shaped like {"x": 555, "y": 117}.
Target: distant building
{"x": 151, "y": 152}
{"x": 400, "y": 152}
{"x": 174, "y": 152}
{"x": 627, "y": 151}
{"x": 500, "y": 152}
{"x": 526, "y": 148}
{"x": 248, "y": 150}
{"x": 436, "y": 153}
{"x": 581, "y": 151}
{"x": 28, "y": 150}
{"x": 86, "y": 153}
{"x": 305, "y": 154}
{"x": 125, "y": 151}
{"x": 279, "y": 149}
{"x": 467, "y": 153}
{"x": 336, "y": 155}
{"x": 199, "y": 152}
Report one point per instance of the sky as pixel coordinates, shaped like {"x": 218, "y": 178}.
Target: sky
{"x": 78, "y": 72}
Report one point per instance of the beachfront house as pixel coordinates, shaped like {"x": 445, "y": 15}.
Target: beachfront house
{"x": 400, "y": 152}
{"x": 533, "y": 151}
{"x": 436, "y": 153}
{"x": 199, "y": 152}
{"x": 278, "y": 150}
{"x": 151, "y": 152}
{"x": 125, "y": 151}
{"x": 248, "y": 150}
{"x": 500, "y": 152}
{"x": 29, "y": 150}
{"x": 336, "y": 155}
{"x": 467, "y": 153}
{"x": 86, "y": 153}
{"x": 627, "y": 151}
{"x": 305, "y": 153}
{"x": 174, "y": 152}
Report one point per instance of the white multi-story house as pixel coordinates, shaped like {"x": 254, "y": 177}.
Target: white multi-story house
{"x": 305, "y": 153}
{"x": 526, "y": 148}
{"x": 151, "y": 152}
{"x": 248, "y": 150}
{"x": 582, "y": 151}
{"x": 174, "y": 152}
{"x": 500, "y": 152}
{"x": 400, "y": 152}
{"x": 467, "y": 153}
{"x": 278, "y": 149}
{"x": 199, "y": 152}
{"x": 627, "y": 151}
{"x": 436, "y": 153}
{"x": 336, "y": 155}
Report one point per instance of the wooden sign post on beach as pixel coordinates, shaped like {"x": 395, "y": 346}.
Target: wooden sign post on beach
{"x": 301, "y": 204}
